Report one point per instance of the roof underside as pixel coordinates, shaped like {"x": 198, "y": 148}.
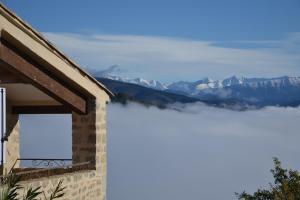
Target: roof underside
{"x": 21, "y": 94}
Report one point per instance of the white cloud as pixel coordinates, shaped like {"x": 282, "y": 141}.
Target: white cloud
{"x": 166, "y": 58}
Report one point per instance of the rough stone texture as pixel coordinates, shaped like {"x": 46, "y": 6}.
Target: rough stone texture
{"x": 89, "y": 140}
{"x": 12, "y": 152}
{"x": 81, "y": 185}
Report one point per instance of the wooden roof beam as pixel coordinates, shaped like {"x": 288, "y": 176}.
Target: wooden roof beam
{"x": 19, "y": 64}
{"x": 6, "y": 77}
{"x": 40, "y": 110}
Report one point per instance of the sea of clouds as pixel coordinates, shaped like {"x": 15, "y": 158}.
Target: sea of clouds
{"x": 199, "y": 152}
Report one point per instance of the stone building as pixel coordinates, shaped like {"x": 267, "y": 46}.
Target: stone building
{"x": 39, "y": 79}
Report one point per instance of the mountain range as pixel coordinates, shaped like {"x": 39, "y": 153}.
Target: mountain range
{"x": 259, "y": 92}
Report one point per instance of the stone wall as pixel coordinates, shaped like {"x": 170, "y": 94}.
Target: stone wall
{"x": 81, "y": 185}
{"x": 89, "y": 140}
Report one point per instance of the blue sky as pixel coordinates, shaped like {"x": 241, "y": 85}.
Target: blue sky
{"x": 172, "y": 40}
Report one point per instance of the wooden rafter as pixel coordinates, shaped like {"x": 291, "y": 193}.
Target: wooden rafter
{"x": 6, "y": 77}
{"x": 19, "y": 64}
{"x": 40, "y": 110}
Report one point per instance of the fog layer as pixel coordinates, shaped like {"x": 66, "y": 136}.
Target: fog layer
{"x": 199, "y": 153}
{"x": 203, "y": 153}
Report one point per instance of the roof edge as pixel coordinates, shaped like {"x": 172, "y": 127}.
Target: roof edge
{"x": 43, "y": 41}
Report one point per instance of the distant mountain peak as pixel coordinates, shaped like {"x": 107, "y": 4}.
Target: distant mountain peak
{"x": 246, "y": 89}
{"x": 207, "y": 80}
{"x": 233, "y": 80}
{"x": 257, "y": 92}
{"x": 105, "y": 72}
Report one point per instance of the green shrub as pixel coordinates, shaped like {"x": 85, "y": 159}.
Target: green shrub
{"x": 286, "y": 186}
{"x": 11, "y": 190}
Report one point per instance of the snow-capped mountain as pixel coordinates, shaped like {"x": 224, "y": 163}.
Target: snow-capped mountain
{"x": 107, "y": 73}
{"x": 138, "y": 81}
{"x": 150, "y": 84}
{"x": 207, "y": 85}
{"x": 258, "y": 91}
{"x": 201, "y": 85}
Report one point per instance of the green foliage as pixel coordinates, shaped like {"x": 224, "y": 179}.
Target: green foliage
{"x": 11, "y": 189}
{"x": 286, "y": 186}
{"x": 58, "y": 191}
{"x": 10, "y": 192}
{"x": 32, "y": 194}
